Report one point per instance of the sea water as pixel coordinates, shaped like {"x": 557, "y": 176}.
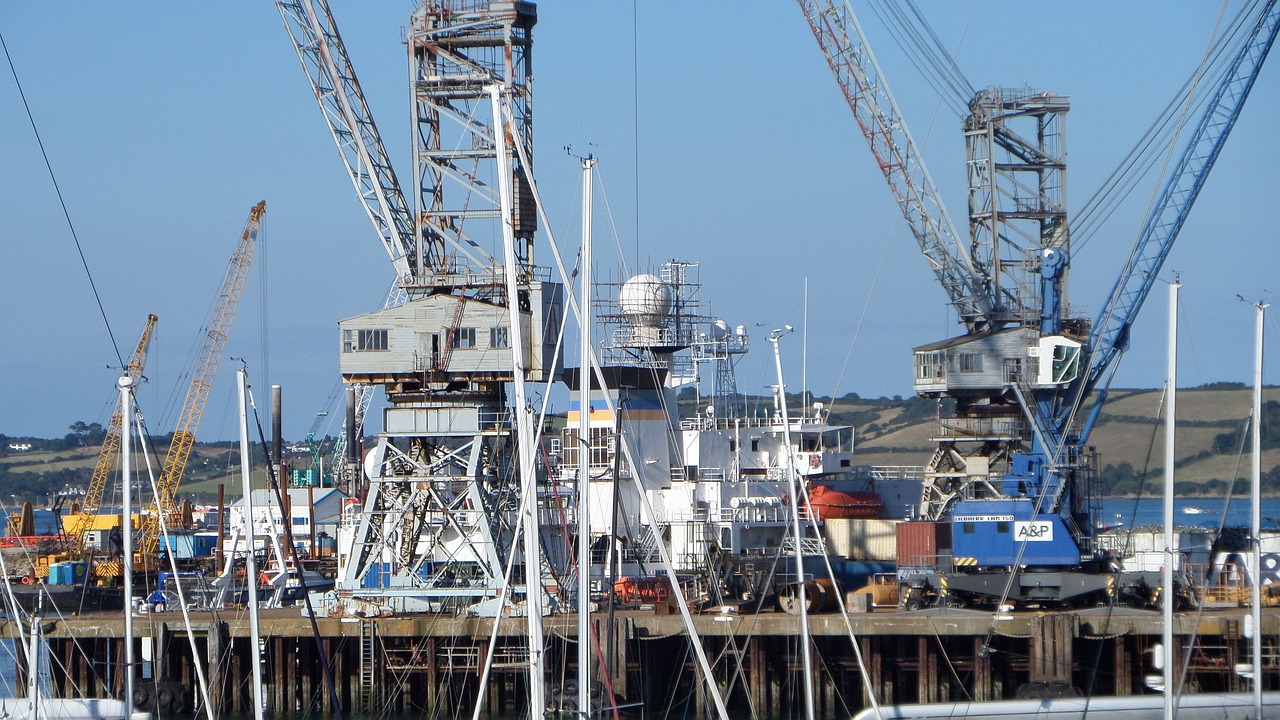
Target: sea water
{"x": 1200, "y": 512}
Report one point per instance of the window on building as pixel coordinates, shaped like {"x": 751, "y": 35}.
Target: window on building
{"x": 364, "y": 340}
{"x": 970, "y": 362}
{"x": 929, "y": 366}
{"x": 464, "y": 338}
{"x": 498, "y": 337}
{"x": 603, "y": 447}
{"x": 569, "y": 454}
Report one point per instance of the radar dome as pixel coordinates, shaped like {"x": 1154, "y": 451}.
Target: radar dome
{"x": 720, "y": 331}
{"x": 645, "y": 299}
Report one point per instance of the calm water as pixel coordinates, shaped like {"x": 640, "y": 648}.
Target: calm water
{"x": 1150, "y": 511}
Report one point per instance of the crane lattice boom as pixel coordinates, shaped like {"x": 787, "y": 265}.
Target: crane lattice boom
{"x": 324, "y": 60}
{"x": 840, "y": 37}
{"x": 1111, "y": 330}
{"x": 110, "y": 444}
{"x": 184, "y": 437}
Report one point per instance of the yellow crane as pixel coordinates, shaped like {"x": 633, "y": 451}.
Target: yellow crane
{"x": 110, "y": 448}
{"x": 184, "y": 437}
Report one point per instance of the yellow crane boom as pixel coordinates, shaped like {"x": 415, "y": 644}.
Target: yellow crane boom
{"x": 184, "y": 437}
{"x": 110, "y": 447}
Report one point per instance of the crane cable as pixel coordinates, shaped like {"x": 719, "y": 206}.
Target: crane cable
{"x": 1078, "y": 400}
{"x": 1159, "y": 136}
{"x": 922, "y": 46}
{"x": 62, "y": 201}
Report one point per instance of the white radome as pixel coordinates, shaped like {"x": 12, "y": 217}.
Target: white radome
{"x": 645, "y": 299}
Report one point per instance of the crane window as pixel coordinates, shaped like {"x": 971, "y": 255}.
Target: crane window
{"x": 498, "y": 337}
{"x": 929, "y": 366}
{"x": 970, "y": 362}
{"x": 364, "y": 340}
{"x": 464, "y": 338}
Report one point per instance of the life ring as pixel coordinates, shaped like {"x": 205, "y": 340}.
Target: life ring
{"x": 26, "y": 580}
{"x": 1269, "y": 565}
{"x": 786, "y": 499}
{"x": 815, "y": 461}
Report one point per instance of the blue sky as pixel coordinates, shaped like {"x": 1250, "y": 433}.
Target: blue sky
{"x": 165, "y": 122}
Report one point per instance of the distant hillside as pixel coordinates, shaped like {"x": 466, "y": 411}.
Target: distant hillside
{"x": 50, "y": 467}
{"x": 889, "y": 431}
{"x": 1211, "y": 430}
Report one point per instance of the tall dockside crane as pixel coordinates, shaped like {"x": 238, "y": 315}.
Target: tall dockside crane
{"x": 1011, "y": 474}
{"x": 106, "y": 463}
{"x": 184, "y": 435}
{"x": 437, "y": 527}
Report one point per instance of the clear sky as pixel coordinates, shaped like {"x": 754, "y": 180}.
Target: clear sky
{"x": 165, "y": 122}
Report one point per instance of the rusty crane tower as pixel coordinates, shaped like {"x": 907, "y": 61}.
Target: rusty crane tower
{"x": 437, "y": 525}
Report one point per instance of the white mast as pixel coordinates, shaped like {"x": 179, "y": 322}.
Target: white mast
{"x": 1255, "y": 508}
{"x": 250, "y": 564}
{"x": 1166, "y": 592}
{"x": 790, "y": 469}
{"x": 584, "y": 452}
{"x": 523, "y": 422}
{"x": 125, "y": 384}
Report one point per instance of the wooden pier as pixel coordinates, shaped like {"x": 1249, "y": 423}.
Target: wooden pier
{"x": 433, "y": 662}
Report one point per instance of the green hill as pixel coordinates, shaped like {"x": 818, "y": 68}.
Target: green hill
{"x": 890, "y": 431}
{"x": 1129, "y": 436}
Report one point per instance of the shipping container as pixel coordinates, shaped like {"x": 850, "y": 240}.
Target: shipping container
{"x": 865, "y": 540}
{"x": 922, "y": 542}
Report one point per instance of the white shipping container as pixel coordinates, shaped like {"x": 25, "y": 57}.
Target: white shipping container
{"x": 864, "y": 540}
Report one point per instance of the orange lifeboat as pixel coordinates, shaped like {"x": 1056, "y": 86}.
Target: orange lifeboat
{"x": 831, "y": 504}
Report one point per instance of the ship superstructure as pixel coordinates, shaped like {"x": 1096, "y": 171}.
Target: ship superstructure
{"x": 716, "y": 475}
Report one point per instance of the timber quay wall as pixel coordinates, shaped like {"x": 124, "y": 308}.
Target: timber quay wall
{"x": 433, "y": 662}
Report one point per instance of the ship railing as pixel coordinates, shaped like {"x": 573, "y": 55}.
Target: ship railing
{"x": 761, "y": 513}
{"x": 896, "y": 472}
{"x": 771, "y": 421}
{"x": 808, "y": 546}
{"x": 678, "y": 474}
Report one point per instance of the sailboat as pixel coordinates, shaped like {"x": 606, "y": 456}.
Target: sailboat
{"x": 37, "y": 707}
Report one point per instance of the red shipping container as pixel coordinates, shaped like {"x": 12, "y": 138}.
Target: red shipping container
{"x": 920, "y": 542}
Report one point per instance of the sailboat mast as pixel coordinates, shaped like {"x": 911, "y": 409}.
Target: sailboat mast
{"x": 523, "y": 423}
{"x": 250, "y": 564}
{"x": 790, "y": 469}
{"x": 125, "y": 384}
{"x": 1255, "y": 510}
{"x": 584, "y": 451}
{"x": 1166, "y": 592}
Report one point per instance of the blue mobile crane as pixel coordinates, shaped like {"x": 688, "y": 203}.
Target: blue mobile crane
{"x": 1011, "y": 479}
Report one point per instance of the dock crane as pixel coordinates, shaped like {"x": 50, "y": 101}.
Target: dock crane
{"x": 436, "y": 528}
{"x": 106, "y": 463}
{"x": 184, "y": 436}
{"x": 1011, "y": 474}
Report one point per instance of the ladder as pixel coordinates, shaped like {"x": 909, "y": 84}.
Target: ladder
{"x": 368, "y": 663}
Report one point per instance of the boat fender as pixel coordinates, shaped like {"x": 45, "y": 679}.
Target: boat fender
{"x": 166, "y": 698}
{"x": 142, "y": 697}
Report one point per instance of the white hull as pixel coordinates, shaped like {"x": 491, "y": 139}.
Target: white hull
{"x": 1225, "y": 706}
{"x": 68, "y": 709}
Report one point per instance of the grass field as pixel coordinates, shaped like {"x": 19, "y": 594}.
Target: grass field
{"x": 889, "y": 432}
